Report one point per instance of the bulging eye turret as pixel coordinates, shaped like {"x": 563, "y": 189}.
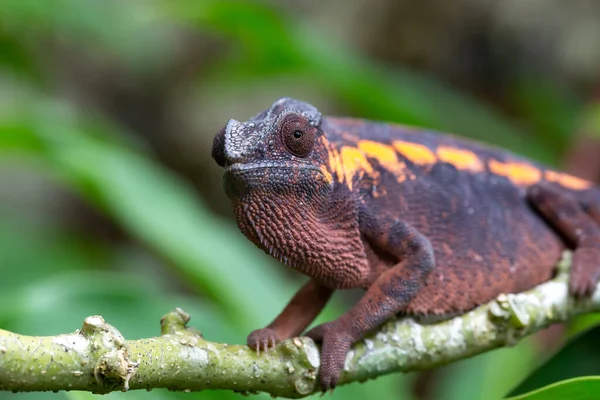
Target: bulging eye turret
{"x": 297, "y": 135}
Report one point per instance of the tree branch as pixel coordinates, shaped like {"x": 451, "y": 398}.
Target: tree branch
{"x": 97, "y": 358}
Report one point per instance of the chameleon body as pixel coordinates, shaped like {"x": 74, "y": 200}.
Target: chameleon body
{"x": 426, "y": 223}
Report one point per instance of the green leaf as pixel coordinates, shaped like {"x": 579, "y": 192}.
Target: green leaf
{"x": 579, "y": 357}
{"x": 487, "y": 376}
{"x": 581, "y": 388}
{"x": 582, "y": 323}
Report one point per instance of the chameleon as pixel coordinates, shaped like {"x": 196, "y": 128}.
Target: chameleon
{"x": 427, "y": 223}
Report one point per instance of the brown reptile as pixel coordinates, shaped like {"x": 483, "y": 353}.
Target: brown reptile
{"x": 426, "y": 223}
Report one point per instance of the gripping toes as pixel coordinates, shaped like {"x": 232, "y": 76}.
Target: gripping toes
{"x": 335, "y": 343}
{"x": 262, "y": 339}
{"x": 585, "y": 272}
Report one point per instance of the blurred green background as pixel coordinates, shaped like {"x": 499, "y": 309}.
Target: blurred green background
{"x": 111, "y": 204}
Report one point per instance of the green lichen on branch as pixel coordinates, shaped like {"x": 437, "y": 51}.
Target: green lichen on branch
{"x": 98, "y": 359}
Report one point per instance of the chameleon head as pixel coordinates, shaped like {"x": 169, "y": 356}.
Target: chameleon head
{"x": 275, "y": 151}
{"x": 276, "y": 177}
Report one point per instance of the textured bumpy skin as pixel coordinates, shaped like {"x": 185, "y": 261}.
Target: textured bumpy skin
{"x": 427, "y": 223}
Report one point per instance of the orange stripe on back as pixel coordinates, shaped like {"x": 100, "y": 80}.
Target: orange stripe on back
{"x": 353, "y": 160}
{"x": 335, "y": 162}
{"x": 416, "y": 153}
{"x": 461, "y": 159}
{"x": 517, "y": 173}
{"x": 568, "y": 181}
{"x": 385, "y": 155}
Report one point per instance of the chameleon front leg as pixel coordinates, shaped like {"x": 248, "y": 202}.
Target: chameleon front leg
{"x": 388, "y": 295}
{"x": 302, "y": 309}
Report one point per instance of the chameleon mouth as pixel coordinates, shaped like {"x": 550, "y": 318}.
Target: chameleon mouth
{"x": 256, "y": 167}
{"x": 270, "y": 177}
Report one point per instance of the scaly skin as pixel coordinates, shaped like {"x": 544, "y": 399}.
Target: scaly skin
{"x": 426, "y": 223}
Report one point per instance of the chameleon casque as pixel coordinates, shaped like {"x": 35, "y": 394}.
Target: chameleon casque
{"x": 426, "y": 223}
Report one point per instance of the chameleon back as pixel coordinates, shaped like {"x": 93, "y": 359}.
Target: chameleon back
{"x": 469, "y": 199}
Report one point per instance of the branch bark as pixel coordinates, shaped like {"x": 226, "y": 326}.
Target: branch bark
{"x": 97, "y": 358}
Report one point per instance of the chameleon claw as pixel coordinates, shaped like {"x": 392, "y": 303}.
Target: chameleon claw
{"x": 262, "y": 340}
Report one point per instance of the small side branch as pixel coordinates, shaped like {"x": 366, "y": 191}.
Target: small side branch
{"x": 98, "y": 359}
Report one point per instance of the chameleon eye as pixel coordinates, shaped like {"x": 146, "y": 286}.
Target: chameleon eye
{"x": 297, "y": 136}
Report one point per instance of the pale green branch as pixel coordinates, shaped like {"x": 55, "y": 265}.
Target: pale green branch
{"x": 97, "y": 358}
